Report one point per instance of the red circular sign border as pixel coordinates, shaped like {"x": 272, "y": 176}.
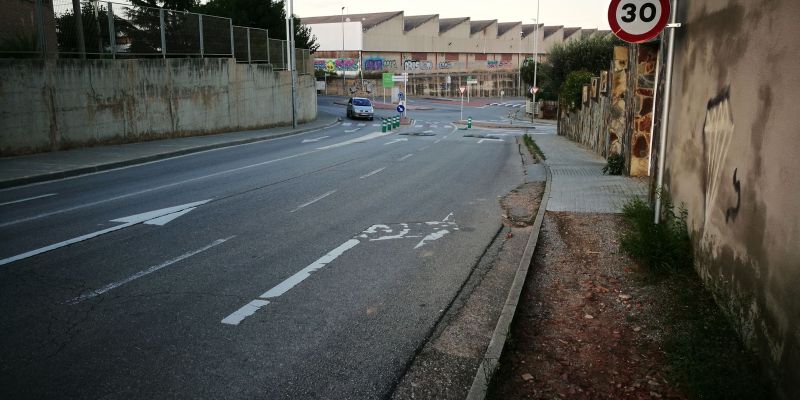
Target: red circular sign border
{"x": 630, "y": 38}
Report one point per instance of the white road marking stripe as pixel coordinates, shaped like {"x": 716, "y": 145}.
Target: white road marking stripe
{"x": 423, "y": 148}
{"x": 356, "y": 140}
{"x": 428, "y": 131}
{"x": 433, "y": 236}
{"x": 283, "y": 287}
{"x": 362, "y": 124}
{"x": 148, "y": 271}
{"x": 244, "y": 312}
{"x": 376, "y": 124}
{"x": 372, "y": 173}
{"x": 351, "y": 130}
{"x": 314, "y": 140}
{"x": 169, "y": 185}
{"x": 405, "y": 157}
{"x": 489, "y": 140}
{"x": 347, "y": 123}
{"x": 313, "y": 201}
{"x": 28, "y": 199}
{"x": 437, "y": 141}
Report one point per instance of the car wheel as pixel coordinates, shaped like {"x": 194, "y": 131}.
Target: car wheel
{"x": 371, "y": 118}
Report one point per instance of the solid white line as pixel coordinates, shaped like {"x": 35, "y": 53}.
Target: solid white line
{"x": 405, "y": 157}
{"x": 28, "y": 199}
{"x": 304, "y": 273}
{"x": 372, "y": 173}
{"x": 148, "y": 271}
{"x": 64, "y": 243}
{"x": 316, "y": 199}
{"x": 428, "y": 131}
{"x": 351, "y": 130}
{"x": 169, "y": 185}
{"x": 244, "y": 312}
{"x": 250, "y": 308}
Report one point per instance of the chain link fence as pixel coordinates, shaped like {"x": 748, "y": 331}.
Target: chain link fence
{"x": 109, "y": 30}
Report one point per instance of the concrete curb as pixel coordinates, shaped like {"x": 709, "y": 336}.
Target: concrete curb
{"x": 155, "y": 157}
{"x": 483, "y": 124}
{"x": 488, "y": 366}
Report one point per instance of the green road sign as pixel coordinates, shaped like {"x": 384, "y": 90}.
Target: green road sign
{"x": 387, "y": 80}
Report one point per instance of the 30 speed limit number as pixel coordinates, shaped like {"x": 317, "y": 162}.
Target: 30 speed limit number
{"x": 637, "y": 21}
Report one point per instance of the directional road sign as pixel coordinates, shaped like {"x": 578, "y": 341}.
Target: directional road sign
{"x": 401, "y": 108}
{"x": 638, "y": 21}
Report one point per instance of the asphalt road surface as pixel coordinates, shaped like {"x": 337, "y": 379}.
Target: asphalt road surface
{"x": 311, "y": 266}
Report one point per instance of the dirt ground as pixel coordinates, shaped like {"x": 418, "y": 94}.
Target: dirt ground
{"x": 585, "y": 327}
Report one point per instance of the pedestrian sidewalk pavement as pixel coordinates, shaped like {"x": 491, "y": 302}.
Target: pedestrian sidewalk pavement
{"x": 39, "y": 167}
{"x": 578, "y": 183}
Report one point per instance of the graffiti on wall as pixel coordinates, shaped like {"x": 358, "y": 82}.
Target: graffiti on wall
{"x": 718, "y": 130}
{"x": 417, "y": 65}
{"x": 495, "y": 64}
{"x": 336, "y": 64}
{"x": 379, "y": 64}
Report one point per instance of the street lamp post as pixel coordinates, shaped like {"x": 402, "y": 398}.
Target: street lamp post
{"x": 535, "y": 57}
{"x": 519, "y": 62}
{"x": 344, "y": 92}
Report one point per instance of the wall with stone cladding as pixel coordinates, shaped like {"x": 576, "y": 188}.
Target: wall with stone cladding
{"x": 642, "y": 106}
{"x": 589, "y": 125}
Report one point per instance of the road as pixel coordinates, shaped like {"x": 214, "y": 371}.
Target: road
{"x": 311, "y": 266}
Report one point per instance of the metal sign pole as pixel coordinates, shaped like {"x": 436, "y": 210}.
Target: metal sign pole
{"x": 662, "y": 142}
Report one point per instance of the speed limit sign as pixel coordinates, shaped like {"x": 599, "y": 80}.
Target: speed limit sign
{"x": 637, "y": 21}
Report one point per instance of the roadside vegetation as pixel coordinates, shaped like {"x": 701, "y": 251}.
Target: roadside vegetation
{"x": 703, "y": 353}
{"x": 533, "y": 148}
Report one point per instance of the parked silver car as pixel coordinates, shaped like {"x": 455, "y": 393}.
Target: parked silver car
{"x": 359, "y": 107}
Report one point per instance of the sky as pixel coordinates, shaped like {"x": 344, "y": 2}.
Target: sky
{"x": 575, "y": 13}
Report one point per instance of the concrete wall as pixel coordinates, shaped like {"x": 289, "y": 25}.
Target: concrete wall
{"x": 732, "y": 159}
{"x": 65, "y": 103}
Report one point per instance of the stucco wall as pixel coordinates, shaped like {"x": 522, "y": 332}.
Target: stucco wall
{"x": 732, "y": 159}
{"x": 65, "y": 103}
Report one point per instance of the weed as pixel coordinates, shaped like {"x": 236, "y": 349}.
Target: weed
{"x": 615, "y": 165}
{"x": 533, "y": 147}
{"x": 659, "y": 247}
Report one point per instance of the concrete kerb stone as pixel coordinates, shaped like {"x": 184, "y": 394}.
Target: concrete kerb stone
{"x": 488, "y": 366}
{"x": 154, "y": 157}
{"x": 490, "y": 125}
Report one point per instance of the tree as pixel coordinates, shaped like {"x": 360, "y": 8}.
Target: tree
{"x": 571, "y": 93}
{"x": 264, "y": 14}
{"x": 591, "y": 55}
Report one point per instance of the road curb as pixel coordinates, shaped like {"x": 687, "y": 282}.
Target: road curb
{"x": 488, "y": 366}
{"x": 155, "y": 157}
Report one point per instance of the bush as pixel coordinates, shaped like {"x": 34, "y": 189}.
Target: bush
{"x": 571, "y": 92}
{"x": 533, "y": 148}
{"x": 664, "y": 247}
{"x": 615, "y": 165}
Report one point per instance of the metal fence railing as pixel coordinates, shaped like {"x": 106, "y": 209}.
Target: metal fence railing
{"x": 104, "y": 29}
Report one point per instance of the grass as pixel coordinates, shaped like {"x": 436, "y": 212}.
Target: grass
{"x": 533, "y": 148}
{"x": 705, "y": 356}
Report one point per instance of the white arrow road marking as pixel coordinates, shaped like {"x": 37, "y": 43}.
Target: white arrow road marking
{"x": 372, "y": 173}
{"x": 316, "y": 199}
{"x": 314, "y": 140}
{"x": 148, "y": 271}
{"x": 396, "y": 141}
{"x": 374, "y": 233}
{"x": 28, "y": 199}
{"x": 405, "y": 157}
{"x": 156, "y": 217}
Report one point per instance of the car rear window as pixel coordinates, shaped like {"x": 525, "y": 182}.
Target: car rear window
{"x": 361, "y": 102}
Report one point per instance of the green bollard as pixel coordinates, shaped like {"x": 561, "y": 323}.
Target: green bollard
{"x": 469, "y": 123}
{"x": 383, "y": 126}
{"x": 389, "y": 125}
{"x": 396, "y": 122}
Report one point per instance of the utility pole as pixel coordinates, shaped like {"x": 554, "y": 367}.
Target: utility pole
{"x": 662, "y": 141}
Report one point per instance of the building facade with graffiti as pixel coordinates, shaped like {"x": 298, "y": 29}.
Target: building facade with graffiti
{"x": 427, "y": 44}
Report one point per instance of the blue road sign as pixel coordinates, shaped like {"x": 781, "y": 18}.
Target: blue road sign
{"x": 401, "y": 96}
{"x": 401, "y": 108}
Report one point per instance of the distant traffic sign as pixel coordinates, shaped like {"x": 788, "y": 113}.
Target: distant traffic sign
{"x": 637, "y": 21}
{"x": 401, "y": 108}
{"x": 401, "y": 96}
{"x": 462, "y": 89}
{"x": 534, "y": 89}
{"x": 387, "y": 80}
{"x": 472, "y": 81}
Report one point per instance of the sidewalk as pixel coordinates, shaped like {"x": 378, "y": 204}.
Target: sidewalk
{"x": 578, "y": 181}
{"x": 15, "y": 171}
